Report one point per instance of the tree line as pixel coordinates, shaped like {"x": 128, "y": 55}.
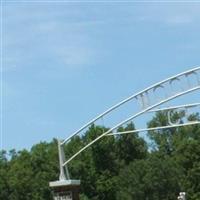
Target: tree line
{"x": 114, "y": 168}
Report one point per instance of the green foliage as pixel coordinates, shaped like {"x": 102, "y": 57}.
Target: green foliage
{"x": 114, "y": 168}
{"x": 151, "y": 179}
{"x": 130, "y": 147}
{"x": 26, "y": 175}
{"x": 4, "y": 185}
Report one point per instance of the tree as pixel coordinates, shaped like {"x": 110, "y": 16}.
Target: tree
{"x": 182, "y": 144}
{"x": 20, "y": 177}
{"x": 130, "y": 147}
{"x": 4, "y": 185}
{"x": 153, "y": 179}
{"x": 115, "y": 167}
{"x": 187, "y": 155}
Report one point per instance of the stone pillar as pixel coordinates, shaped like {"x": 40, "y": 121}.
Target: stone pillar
{"x": 65, "y": 190}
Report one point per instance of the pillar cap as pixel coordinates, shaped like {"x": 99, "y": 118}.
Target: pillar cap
{"x": 62, "y": 183}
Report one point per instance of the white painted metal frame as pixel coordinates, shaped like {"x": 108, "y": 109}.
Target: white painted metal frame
{"x": 170, "y": 123}
{"x": 137, "y": 95}
{"x": 155, "y": 128}
{"x": 148, "y": 102}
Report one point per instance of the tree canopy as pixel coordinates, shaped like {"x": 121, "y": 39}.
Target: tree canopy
{"x": 114, "y": 168}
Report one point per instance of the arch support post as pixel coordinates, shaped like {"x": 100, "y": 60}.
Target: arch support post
{"x": 64, "y": 173}
{"x": 65, "y": 188}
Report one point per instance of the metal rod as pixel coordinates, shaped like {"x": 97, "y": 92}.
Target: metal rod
{"x": 175, "y": 107}
{"x": 154, "y": 128}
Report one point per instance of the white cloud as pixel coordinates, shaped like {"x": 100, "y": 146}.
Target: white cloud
{"x": 63, "y": 34}
{"x": 29, "y": 38}
{"x": 170, "y": 13}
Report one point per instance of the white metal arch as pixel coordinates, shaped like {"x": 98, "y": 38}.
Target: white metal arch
{"x": 171, "y": 124}
{"x": 149, "y": 99}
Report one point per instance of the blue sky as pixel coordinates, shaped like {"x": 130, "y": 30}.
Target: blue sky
{"x": 64, "y": 63}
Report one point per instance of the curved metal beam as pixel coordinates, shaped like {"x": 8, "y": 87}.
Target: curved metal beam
{"x": 175, "y": 107}
{"x": 155, "y": 128}
{"x": 142, "y": 97}
{"x": 171, "y": 125}
{"x": 129, "y": 119}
